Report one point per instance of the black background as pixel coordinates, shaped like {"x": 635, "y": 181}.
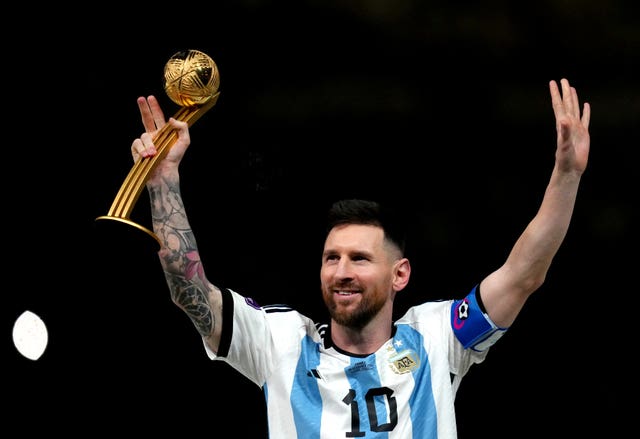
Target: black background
{"x": 440, "y": 107}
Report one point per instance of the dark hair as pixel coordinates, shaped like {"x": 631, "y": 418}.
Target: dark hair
{"x": 358, "y": 211}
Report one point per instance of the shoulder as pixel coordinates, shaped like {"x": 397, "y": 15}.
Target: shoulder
{"x": 427, "y": 310}
{"x": 283, "y": 319}
{"x": 432, "y": 318}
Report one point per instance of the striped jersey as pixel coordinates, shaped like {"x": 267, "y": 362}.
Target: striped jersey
{"x": 313, "y": 390}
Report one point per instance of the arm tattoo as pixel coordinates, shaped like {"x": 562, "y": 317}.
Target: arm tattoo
{"x": 192, "y": 299}
{"x": 179, "y": 256}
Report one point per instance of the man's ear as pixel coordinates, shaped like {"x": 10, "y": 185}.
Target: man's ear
{"x": 401, "y": 274}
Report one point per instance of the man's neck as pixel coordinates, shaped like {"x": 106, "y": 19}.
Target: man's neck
{"x": 362, "y": 341}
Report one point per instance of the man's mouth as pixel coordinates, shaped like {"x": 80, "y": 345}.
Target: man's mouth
{"x": 345, "y": 293}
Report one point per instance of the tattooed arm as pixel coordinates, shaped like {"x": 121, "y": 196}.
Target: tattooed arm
{"x": 179, "y": 256}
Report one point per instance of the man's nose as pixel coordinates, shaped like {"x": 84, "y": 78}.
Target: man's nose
{"x": 344, "y": 270}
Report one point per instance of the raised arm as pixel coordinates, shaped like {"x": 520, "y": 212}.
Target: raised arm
{"x": 505, "y": 291}
{"x": 179, "y": 256}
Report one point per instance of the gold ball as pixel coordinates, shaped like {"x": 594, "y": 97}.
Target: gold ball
{"x": 191, "y": 78}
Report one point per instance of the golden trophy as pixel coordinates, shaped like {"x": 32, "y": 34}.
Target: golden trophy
{"x": 191, "y": 80}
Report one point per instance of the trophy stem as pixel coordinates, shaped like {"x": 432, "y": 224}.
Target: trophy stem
{"x": 131, "y": 189}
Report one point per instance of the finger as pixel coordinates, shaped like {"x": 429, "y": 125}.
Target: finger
{"x": 140, "y": 150}
{"x": 556, "y": 99}
{"x": 136, "y": 148}
{"x": 144, "y": 146}
{"x": 156, "y": 111}
{"x": 586, "y": 115}
{"x": 567, "y": 96}
{"x": 575, "y": 103}
{"x": 148, "y": 146}
{"x": 181, "y": 126}
{"x": 146, "y": 114}
{"x": 178, "y": 124}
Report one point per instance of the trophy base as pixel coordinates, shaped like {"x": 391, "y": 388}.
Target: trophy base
{"x": 133, "y": 224}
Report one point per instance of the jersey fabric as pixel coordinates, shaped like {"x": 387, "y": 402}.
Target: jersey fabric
{"x": 313, "y": 390}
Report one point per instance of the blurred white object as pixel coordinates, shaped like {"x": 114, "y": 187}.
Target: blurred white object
{"x": 30, "y": 335}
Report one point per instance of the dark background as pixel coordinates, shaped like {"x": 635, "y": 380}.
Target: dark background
{"x": 442, "y": 108}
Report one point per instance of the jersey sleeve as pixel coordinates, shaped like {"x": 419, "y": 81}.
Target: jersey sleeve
{"x": 251, "y": 340}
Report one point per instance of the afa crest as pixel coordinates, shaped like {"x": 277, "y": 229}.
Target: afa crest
{"x": 404, "y": 361}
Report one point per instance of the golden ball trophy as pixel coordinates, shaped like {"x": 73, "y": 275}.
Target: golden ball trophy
{"x": 191, "y": 80}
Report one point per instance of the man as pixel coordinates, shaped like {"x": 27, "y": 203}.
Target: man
{"x": 362, "y": 375}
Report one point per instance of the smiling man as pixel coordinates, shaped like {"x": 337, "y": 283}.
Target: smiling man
{"x": 362, "y": 374}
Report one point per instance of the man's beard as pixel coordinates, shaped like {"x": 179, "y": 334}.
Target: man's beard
{"x": 356, "y": 318}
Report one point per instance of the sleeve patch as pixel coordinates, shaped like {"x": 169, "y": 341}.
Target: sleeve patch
{"x": 251, "y": 302}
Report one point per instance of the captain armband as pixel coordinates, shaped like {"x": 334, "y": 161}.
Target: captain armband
{"x": 471, "y": 325}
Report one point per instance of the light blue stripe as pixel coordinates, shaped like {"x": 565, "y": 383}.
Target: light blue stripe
{"x": 363, "y": 375}
{"x": 305, "y": 394}
{"x": 424, "y": 418}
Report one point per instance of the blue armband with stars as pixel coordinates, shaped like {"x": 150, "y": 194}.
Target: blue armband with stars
{"x": 471, "y": 325}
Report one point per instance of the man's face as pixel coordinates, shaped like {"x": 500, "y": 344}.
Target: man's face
{"x": 356, "y": 274}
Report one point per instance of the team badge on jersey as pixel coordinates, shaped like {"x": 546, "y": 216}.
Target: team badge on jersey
{"x": 404, "y": 361}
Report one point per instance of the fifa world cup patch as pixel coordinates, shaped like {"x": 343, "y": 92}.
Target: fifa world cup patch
{"x": 473, "y": 327}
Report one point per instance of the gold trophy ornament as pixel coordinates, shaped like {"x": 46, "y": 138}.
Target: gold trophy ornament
{"x": 191, "y": 80}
